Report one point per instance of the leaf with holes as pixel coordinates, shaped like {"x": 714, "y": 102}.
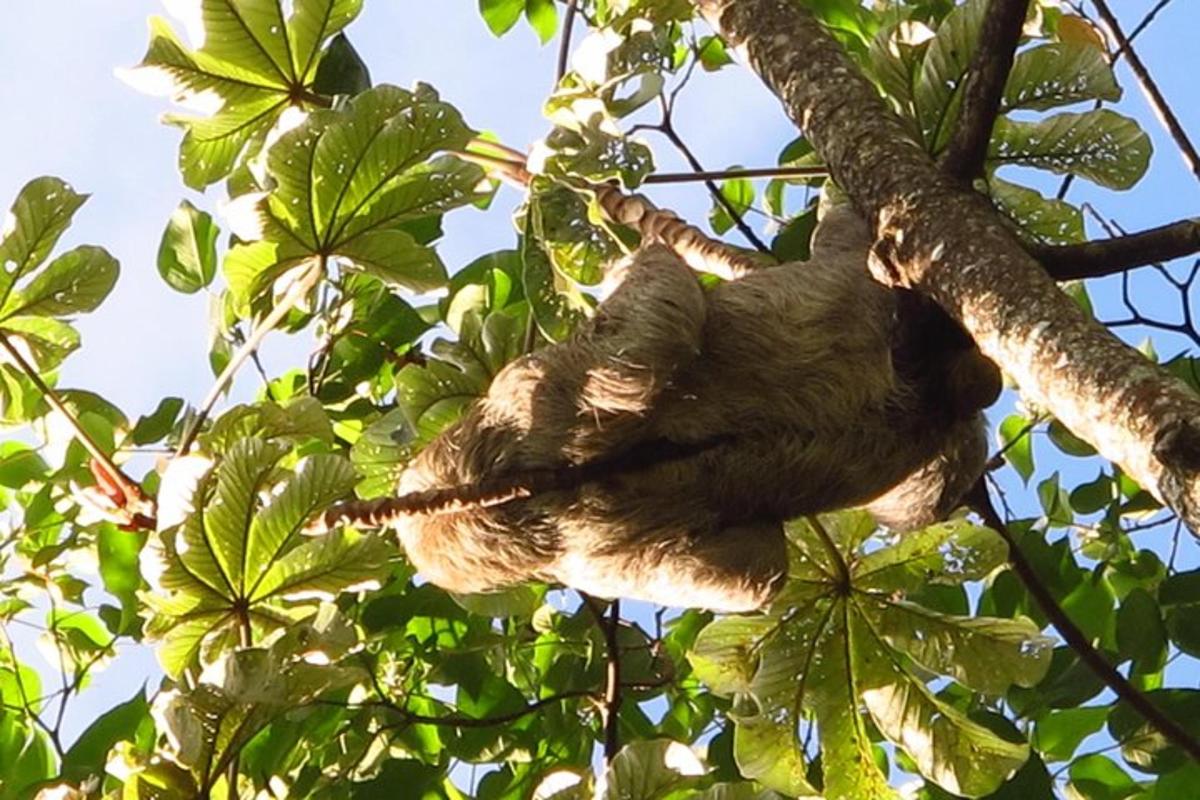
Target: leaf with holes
{"x": 223, "y": 571}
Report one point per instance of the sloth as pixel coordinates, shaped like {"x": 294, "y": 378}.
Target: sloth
{"x": 709, "y": 417}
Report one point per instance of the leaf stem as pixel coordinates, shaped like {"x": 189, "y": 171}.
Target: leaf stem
{"x": 294, "y": 294}
{"x": 129, "y": 487}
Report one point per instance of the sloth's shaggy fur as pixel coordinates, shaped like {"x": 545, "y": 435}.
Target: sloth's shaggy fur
{"x": 782, "y": 394}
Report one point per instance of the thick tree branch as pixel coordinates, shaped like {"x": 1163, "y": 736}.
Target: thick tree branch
{"x": 993, "y": 60}
{"x": 1110, "y": 256}
{"x": 1158, "y": 103}
{"x": 981, "y": 503}
{"x": 949, "y": 243}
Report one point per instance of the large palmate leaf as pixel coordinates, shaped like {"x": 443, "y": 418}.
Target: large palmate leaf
{"x": 348, "y": 182}
{"x": 842, "y": 632}
{"x": 34, "y": 295}
{"x": 250, "y": 62}
{"x": 230, "y": 549}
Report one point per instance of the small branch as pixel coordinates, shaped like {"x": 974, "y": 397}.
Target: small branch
{"x": 294, "y": 294}
{"x": 993, "y": 59}
{"x": 668, "y": 130}
{"x": 564, "y": 45}
{"x": 981, "y": 503}
{"x": 1158, "y": 103}
{"x": 610, "y": 711}
{"x": 730, "y": 174}
{"x": 1110, "y": 256}
{"x": 485, "y": 722}
{"x": 129, "y": 487}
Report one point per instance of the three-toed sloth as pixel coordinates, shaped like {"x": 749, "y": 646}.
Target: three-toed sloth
{"x": 793, "y": 390}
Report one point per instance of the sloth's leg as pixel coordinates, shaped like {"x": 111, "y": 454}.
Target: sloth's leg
{"x": 937, "y": 487}
{"x": 592, "y": 395}
{"x": 738, "y": 568}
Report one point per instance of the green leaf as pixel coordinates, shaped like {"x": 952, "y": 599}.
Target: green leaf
{"x": 76, "y": 281}
{"x": 251, "y": 67}
{"x": 318, "y": 482}
{"x": 20, "y": 465}
{"x": 956, "y": 753}
{"x": 1059, "y": 74}
{"x": 342, "y": 70}
{"x": 982, "y": 653}
{"x": 1016, "y": 433}
{"x": 938, "y": 91}
{"x": 946, "y": 552}
{"x": 840, "y": 629}
{"x": 1097, "y": 777}
{"x": 1058, "y": 734}
{"x": 187, "y": 256}
{"x": 323, "y": 566}
{"x": 1141, "y": 634}
{"x": 1142, "y": 745}
{"x": 501, "y": 15}
{"x": 38, "y": 217}
{"x": 543, "y": 18}
{"x": 122, "y": 722}
{"x": 1045, "y": 219}
{"x": 739, "y": 192}
{"x": 348, "y": 183}
{"x": 158, "y": 423}
{"x": 650, "y": 770}
{"x": 395, "y": 258}
{"x": 1102, "y": 146}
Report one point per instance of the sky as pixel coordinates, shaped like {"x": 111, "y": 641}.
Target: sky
{"x": 67, "y": 114}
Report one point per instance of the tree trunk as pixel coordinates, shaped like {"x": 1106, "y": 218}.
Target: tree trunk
{"x": 950, "y": 244}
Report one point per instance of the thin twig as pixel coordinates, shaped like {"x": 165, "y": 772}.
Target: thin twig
{"x": 668, "y": 130}
{"x": 131, "y": 490}
{"x": 964, "y": 157}
{"x": 730, "y": 174}
{"x": 294, "y": 294}
{"x": 564, "y": 44}
{"x": 981, "y": 503}
{"x": 1158, "y": 103}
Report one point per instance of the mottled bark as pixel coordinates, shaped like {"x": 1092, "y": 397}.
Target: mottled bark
{"x": 948, "y": 243}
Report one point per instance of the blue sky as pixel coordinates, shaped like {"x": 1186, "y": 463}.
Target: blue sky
{"x": 68, "y": 115}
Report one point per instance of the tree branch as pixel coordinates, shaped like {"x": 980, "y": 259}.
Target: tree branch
{"x": 1109, "y": 256}
{"x": 990, "y": 65}
{"x": 564, "y": 45}
{"x": 668, "y": 130}
{"x": 981, "y": 503}
{"x": 951, "y": 245}
{"x": 1158, "y": 103}
{"x": 129, "y": 487}
{"x": 730, "y": 174}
